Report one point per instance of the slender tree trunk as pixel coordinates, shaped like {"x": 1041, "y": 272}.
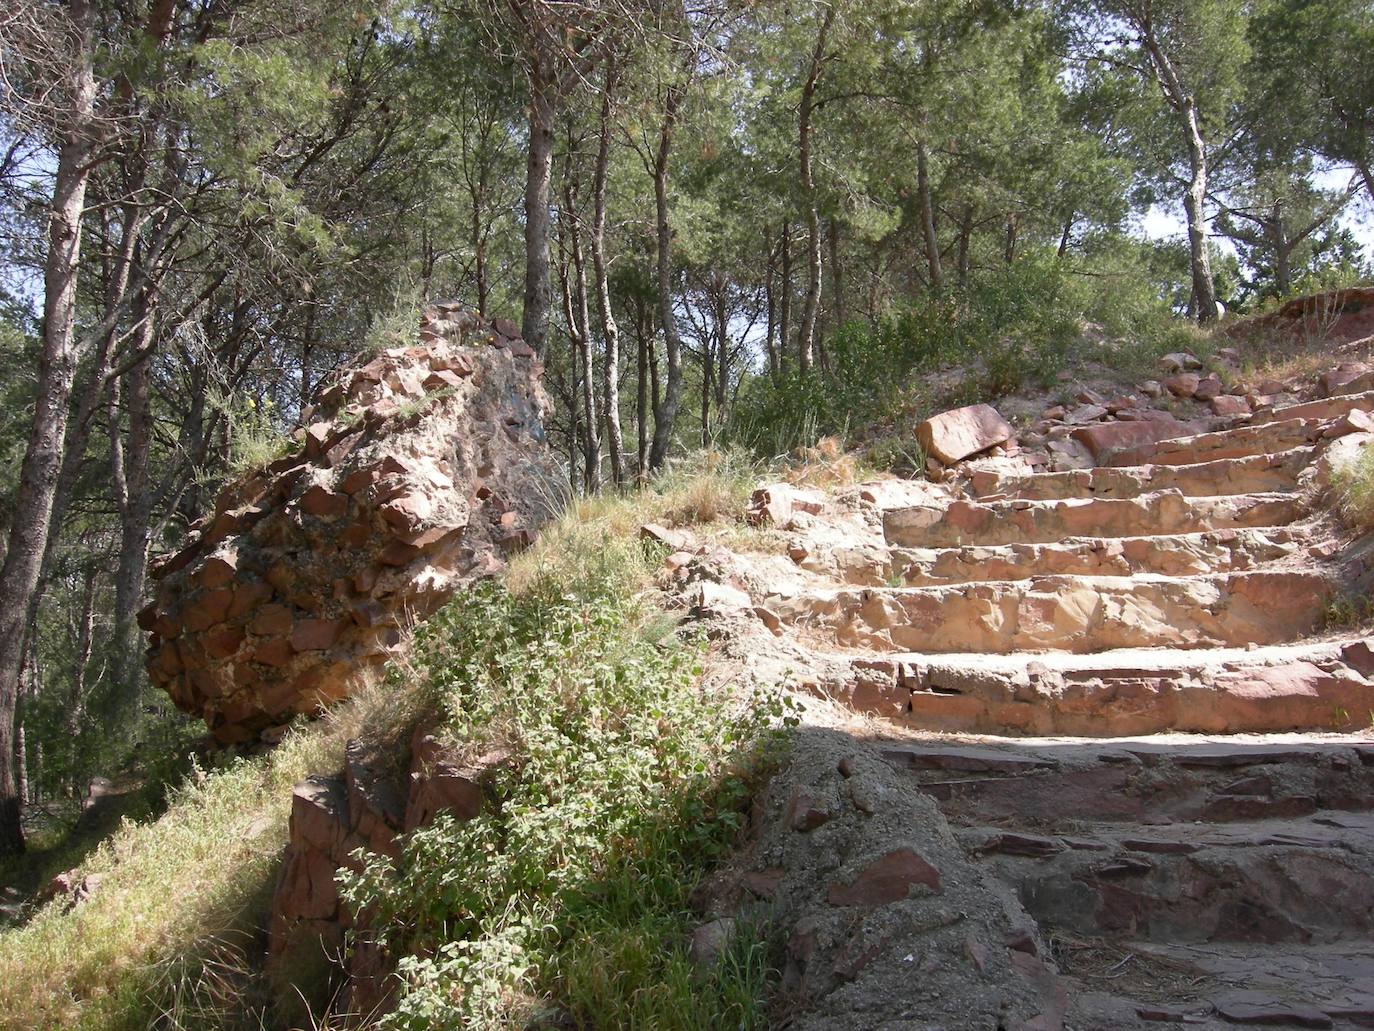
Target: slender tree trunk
{"x": 806, "y": 337}
{"x": 770, "y": 304}
{"x": 1009, "y": 247}
{"x": 665, "y": 414}
{"x": 932, "y": 243}
{"x": 836, "y": 274}
{"x": 722, "y": 334}
{"x": 85, "y": 644}
{"x": 706, "y": 378}
{"x": 785, "y": 302}
{"x": 539, "y": 170}
{"x": 610, "y": 331}
{"x": 1204, "y": 290}
{"x": 134, "y": 497}
{"x": 1204, "y": 303}
{"x": 1366, "y": 176}
{"x": 643, "y": 335}
{"x": 56, "y": 370}
{"x": 579, "y": 323}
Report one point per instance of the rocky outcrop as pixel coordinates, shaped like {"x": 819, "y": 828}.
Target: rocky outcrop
{"x": 417, "y": 471}
{"x": 367, "y": 806}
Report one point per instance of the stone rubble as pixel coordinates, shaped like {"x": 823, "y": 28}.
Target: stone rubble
{"x": 417, "y": 471}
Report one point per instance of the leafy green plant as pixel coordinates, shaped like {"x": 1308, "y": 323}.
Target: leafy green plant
{"x": 626, "y": 782}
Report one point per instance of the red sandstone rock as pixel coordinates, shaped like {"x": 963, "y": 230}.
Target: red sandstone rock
{"x": 1185, "y": 384}
{"x": 1107, "y": 437}
{"x": 1208, "y": 387}
{"x": 956, "y": 434}
{"x": 1230, "y": 405}
{"x": 885, "y": 880}
{"x": 373, "y": 515}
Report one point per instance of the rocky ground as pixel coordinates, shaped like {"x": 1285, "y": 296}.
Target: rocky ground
{"x": 1082, "y": 745}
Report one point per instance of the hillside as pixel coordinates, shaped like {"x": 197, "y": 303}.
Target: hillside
{"x": 753, "y": 746}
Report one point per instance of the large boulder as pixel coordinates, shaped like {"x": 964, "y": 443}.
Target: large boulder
{"x": 956, "y": 434}
{"x": 417, "y": 471}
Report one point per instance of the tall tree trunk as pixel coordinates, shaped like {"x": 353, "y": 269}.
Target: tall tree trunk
{"x": 771, "y": 307}
{"x": 785, "y": 302}
{"x": 56, "y": 369}
{"x": 932, "y": 243}
{"x": 538, "y": 174}
{"x": 1009, "y": 245}
{"x": 665, "y": 414}
{"x": 1177, "y": 95}
{"x": 129, "y": 462}
{"x": 579, "y": 325}
{"x": 806, "y": 337}
{"x": 836, "y": 274}
{"x": 85, "y": 644}
{"x": 722, "y": 334}
{"x": 610, "y": 331}
{"x": 1204, "y": 290}
{"x": 643, "y": 335}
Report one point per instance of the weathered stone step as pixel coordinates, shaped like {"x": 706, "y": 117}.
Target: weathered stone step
{"x": 1121, "y": 693}
{"x": 1184, "y": 554}
{"x": 1323, "y": 408}
{"x": 1272, "y": 880}
{"x": 1252, "y": 474}
{"x": 1038, "y": 522}
{"x": 1238, "y": 442}
{"x": 1223, "y": 986}
{"x": 1148, "y": 796}
{"x": 1070, "y": 613}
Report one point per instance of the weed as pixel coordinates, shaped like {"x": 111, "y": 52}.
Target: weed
{"x": 1353, "y": 490}
{"x": 627, "y": 782}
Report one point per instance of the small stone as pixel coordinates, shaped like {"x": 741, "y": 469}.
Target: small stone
{"x": 1184, "y": 384}
{"x": 1179, "y": 361}
{"x": 314, "y": 634}
{"x": 1208, "y": 388}
{"x": 1229, "y": 405}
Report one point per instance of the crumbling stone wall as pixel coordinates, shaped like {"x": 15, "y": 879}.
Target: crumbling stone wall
{"x": 417, "y": 471}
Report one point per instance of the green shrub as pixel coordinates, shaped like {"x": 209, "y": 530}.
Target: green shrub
{"x": 1011, "y": 327}
{"x": 627, "y": 781}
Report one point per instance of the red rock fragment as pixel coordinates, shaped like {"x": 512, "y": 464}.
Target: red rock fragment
{"x": 956, "y": 434}
{"x": 885, "y": 880}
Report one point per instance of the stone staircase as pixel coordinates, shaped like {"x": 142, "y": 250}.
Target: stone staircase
{"x": 1054, "y": 658}
{"x": 1180, "y": 592}
{"x": 1210, "y": 885}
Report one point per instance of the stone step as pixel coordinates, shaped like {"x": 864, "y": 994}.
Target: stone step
{"x": 1038, "y": 522}
{"x": 1220, "y": 986}
{"x": 1163, "y": 789}
{"x": 1323, "y": 408}
{"x": 1252, "y": 474}
{"x": 1238, "y": 442}
{"x": 1070, "y": 613}
{"x": 1184, "y": 554}
{"x": 1277, "y": 880}
{"x": 1320, "y": 686}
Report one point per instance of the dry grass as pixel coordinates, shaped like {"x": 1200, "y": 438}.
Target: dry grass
{"x": 163, "y": 941}
{"x": 1353, "y": 491}
{"x": 601, "y": 532}
{"x": 180, "y": 894}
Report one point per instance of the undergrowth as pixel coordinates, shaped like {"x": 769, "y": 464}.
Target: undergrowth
{"x": 1009, "y": 329}
{"x": 1354, "y": 491}
{"x": 568, "y": 902}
